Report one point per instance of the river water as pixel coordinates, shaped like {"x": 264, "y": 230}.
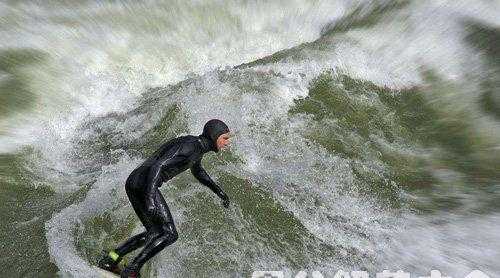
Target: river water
{"x": 367, "y": 133}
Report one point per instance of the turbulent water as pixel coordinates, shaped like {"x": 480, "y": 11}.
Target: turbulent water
{"x": 367, "y": 133}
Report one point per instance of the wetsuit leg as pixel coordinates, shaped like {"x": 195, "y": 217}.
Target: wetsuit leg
{"x": 138, "y": 240}
{"x": 161, "y": 234}
{"x": 131, "y": 244}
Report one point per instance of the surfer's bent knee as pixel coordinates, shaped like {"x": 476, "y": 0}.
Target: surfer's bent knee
{"x": 173, "y": 236}
{"x": 169, "y": 237}
{"x": 169, "y": 233}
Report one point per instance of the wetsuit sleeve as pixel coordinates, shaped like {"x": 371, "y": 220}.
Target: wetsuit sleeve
{"x": 154, "y": 176}
{"x": 201, "y": 175}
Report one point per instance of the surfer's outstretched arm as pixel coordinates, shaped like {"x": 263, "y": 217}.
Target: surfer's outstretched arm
{"x": 201, "y": 175}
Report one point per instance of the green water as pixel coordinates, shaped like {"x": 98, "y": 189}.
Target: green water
{"x": 24, "y": 208}
{"x": 335, "y": 167}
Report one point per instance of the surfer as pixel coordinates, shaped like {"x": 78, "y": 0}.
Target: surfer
{"x": 172, "y": 158}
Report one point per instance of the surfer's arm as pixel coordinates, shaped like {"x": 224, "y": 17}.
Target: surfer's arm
{"x": 201, "y": 175}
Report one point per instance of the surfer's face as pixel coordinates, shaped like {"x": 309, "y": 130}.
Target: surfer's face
{"x": 223, "y": 141}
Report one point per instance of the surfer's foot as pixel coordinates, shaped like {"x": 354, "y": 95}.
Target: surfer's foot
{"x": 130, "y": 273}
{"x": 109, "y": 262}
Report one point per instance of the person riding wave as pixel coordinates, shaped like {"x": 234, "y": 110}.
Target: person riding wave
{"x": 142, "y": 188}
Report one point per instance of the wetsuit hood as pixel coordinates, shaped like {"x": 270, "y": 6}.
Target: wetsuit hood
{"x": 211, "y": 131}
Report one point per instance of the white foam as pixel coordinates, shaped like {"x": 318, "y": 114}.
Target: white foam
{"x": 157, "y": 45}
{"x": 454, "y": 244}
{"x": 105, "y": 195}
{"x": 107, "y": 58}
{"x": 303, "y": 177}
{"x": 101, "y": 58}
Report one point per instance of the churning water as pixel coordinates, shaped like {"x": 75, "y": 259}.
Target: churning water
{"x": 367, "y": 133}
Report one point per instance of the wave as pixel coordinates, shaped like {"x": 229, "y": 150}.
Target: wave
{"x": 342, "y": 156}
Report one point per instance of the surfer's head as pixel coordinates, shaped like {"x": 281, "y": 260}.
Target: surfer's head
{"x": 218, "y": 134}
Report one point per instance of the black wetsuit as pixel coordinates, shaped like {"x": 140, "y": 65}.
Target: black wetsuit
{"x": 172, "y": 158}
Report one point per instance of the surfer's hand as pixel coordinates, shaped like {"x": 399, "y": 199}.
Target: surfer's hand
{"x": 225, "y": 200}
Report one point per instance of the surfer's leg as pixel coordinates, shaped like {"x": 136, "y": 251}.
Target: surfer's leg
{"x": 136, "y": 198}
{"x": 163, "y": 233}
{"x": 131, "y": 244}
{"x": 138, "y": 240}
{"x": 110, "y": 260}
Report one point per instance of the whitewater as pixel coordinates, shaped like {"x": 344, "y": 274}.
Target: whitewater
{"x": 367, "y": 133}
